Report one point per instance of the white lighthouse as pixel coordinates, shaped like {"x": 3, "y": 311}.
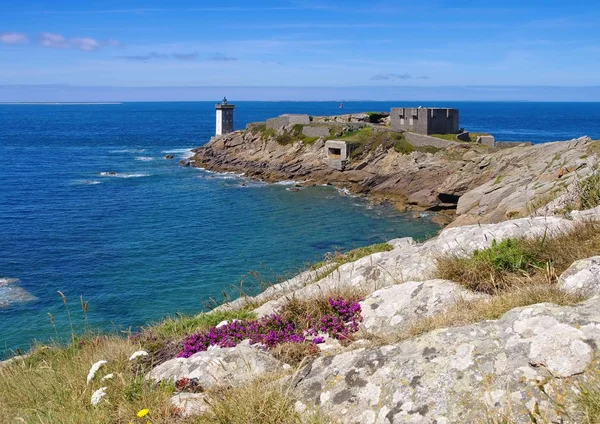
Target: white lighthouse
{"x": 224, "y": 117}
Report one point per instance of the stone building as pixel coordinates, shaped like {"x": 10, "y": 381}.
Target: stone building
{"x": 425, "y": 120}
{"x": 224, "y": 117}
{"x": 338, "y": 153}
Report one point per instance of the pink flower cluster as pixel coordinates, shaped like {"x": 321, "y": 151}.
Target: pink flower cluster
{"x": 343, "y": 319}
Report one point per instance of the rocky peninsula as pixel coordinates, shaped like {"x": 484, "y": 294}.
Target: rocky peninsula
{"x": 473, "y": 183}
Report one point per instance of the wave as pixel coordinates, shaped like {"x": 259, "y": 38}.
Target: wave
{"x": 183, "y": 153}
{"x": 127, "y": 151}
{"x": 345, "y": 192}
{"x": 124, "y": 175}
{"x": 144, "y": 158}
{"x": 86, "y": 182}
{"x": 287, "y": 182}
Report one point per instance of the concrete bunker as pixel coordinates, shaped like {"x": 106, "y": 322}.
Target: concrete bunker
{"x": 338, "y": 152}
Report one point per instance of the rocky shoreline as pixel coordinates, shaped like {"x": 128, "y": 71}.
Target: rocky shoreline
{"x": 469, "y": 182}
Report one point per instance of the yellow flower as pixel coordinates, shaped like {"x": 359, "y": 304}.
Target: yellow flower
{"x": 142, "y": 413}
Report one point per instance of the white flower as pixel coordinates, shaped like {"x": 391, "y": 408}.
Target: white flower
{"x": 98, "y": 396}
{"x": 94, "y": 369}
{"x": 107, "y": 377}
{"x": 138, "y": 354}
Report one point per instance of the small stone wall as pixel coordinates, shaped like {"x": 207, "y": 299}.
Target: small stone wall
{"x": 283, "y": 120}
{"x": 315, "y": 131}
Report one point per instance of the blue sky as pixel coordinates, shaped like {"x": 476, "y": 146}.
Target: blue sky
{"x": 427, "y": 46}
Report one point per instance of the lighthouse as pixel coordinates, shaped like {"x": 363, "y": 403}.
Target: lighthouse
{"x": 224, "y": 117}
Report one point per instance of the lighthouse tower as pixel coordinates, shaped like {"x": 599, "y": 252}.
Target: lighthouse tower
{"x": 224, "y": 117}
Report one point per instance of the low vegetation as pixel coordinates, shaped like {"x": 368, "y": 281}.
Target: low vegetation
{"x": 514, "y": 262}
{"x": 264, "y": 401}
{"x": 340, "y": 258}
{"x": 589, "y": 192}
{"x": 50, "y": 386}
{"x": 453, "y": 137}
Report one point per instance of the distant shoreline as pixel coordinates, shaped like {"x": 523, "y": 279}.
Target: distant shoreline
{"x": 61, "y": 103}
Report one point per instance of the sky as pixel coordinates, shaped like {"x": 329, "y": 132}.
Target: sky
{"x": 65, "y": 50}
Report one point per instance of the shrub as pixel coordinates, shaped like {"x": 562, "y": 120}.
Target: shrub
{"x": 284, "y": 139}
{"x": 339, "y": 319}
{"x": 404, "y": 147}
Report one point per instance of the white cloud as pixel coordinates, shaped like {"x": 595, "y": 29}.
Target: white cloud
{"x": 13, "y": 38}
{"x": 54, "y": 41}
{"x": 87, "y": 44}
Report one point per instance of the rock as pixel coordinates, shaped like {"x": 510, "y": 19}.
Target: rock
{"x": 184, "y": 162}
{"x": 394, "y": 308}
{"x": 191, "y": 403}
{"x": 582, "y": 277}
{"x": 587, "y": 215}
{"x": 169, "y": 157}
{"x": 230, "y": 366}
{"x": 458, "y": 374}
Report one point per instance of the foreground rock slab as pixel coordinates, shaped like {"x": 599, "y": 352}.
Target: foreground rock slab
{"x": 458, "y": 375}
{"x": 394, "y": 308}
{"x": 229, "y": 367}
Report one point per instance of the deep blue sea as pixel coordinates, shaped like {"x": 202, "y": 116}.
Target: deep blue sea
{"x": 157, "y": 238}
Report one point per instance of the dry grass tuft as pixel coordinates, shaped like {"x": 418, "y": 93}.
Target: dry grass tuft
{"x": 50, "y": 386}
{"x": 295, "y": 353}
{"x": 515, "y": 262}
{"x": 465, "y": 312}
{"x": 264, "y": 401}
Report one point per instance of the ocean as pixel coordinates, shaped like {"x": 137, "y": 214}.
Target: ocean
{"x": 90, "y": 207}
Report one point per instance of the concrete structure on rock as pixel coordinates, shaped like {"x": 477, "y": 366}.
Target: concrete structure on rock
{"x": 425, "y": 120}
{"x": 338, "y": 152}
{"x": 224, "y": 117}
{"x": 287, "y": 119}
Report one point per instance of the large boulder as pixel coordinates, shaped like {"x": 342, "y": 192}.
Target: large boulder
{"x": 459, "y": 375}
{"x": 229, "y": 367}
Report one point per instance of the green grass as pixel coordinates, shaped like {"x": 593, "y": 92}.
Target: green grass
{"x": 452, "y": 137}
{"x": 340, "y": 258}
{"x": 516, "y": 261}
{"x": 589, "y": 196}
{"x": 180, "y": 325}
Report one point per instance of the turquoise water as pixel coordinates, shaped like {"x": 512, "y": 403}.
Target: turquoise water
{"x": 158, "y": 238}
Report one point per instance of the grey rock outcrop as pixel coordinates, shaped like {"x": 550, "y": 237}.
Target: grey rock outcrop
{"x": 393, "y": 308}
{"x": 582, "y": 277}
{"x": 229, "y": 366}
{"x": 459, "y": 374}
{"x": 191, "y": 403}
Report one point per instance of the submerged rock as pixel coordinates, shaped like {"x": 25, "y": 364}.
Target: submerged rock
{"x": 11, "y": 293}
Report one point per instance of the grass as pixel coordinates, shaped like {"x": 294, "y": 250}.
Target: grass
{"x": 164, "y": 340}
{"x": 265, "y": 401}
{"x": 452, "y": 137}
{"x": 589, "y": 191}
{"x": 510, "y": 262}
{"x": 50, "y": 386}
{"x": 340, "y": 258}
{"x": 465, "y": 312}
